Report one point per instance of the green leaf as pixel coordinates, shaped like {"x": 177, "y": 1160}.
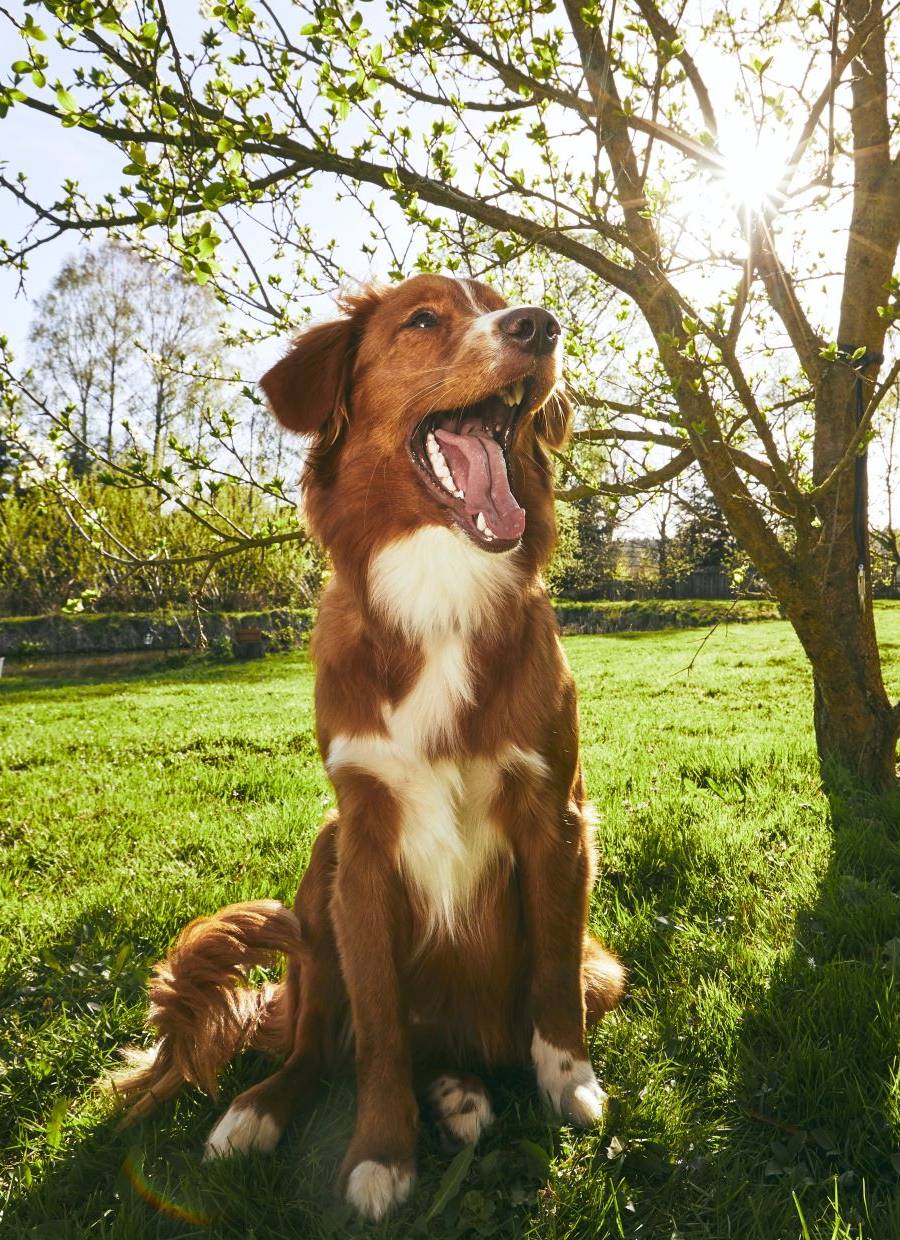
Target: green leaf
{"x": 451, "y": 1181}
{"x": 539, "y": 1161}
{"x": 55, "y": 1123}
{"x": 66, "y": 100}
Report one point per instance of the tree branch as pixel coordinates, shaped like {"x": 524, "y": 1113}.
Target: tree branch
{"x": 646, "y": 482}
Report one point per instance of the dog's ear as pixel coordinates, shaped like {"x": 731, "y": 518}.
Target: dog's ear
{"x": 553, "y": 420}
{"x": 308, "y": 388}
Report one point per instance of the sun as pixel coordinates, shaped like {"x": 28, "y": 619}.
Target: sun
{"x": 752, "y": 171}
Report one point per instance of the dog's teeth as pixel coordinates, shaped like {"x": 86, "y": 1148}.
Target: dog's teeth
{"x": 480, "y": 522}
{"x": 430, "y": 440}
{"x": 518, "y": 389}
{"x": 459, "y": 495}
{"x": 508, "y": 395}
{"x": 447, "y": 483}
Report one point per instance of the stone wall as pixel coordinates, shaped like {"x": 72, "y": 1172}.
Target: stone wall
{"x": 106, "y": 634}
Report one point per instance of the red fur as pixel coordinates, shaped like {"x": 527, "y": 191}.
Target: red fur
{"x": 369, "y": 968}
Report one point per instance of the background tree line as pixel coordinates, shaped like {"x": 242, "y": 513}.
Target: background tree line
{"x": 131, "y": 356}
{"x": 138, "y": 437}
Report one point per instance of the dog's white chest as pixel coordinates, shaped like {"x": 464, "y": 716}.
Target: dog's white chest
{"x": 438, "y": 590}
{"x": 448, "y": 839}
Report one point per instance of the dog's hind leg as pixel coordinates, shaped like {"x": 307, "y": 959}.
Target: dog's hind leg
{"x": 317, "y": 1004}
{"x": 461, "y": 1106}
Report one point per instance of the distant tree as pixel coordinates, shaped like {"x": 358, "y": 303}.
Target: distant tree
{"x": 122, "y": 340}
{"x": 700, "y": 538}
{"x": 592, "y": 523}
{"x": 9, "y": 463}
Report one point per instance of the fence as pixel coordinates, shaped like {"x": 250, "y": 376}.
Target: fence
{"x": 703, "y": 583}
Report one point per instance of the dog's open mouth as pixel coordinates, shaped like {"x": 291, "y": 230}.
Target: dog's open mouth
{"x": 464, "y": 455}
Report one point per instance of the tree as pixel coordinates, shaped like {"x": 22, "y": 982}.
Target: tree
{"x": 9, "y": 464}
{"x": 129, "y": 427}
{"x": 122, "y": 340}
{"x": 701, "y": 538}
{"x": 586, "y": 140}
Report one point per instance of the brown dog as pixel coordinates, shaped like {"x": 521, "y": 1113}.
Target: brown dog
{"x": 441, "y": 924}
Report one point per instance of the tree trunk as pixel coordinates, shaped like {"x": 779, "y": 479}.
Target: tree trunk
{"x": 853, "y": 734}
{"x": 158, "y": 423}
{"x": 856, "y": 727}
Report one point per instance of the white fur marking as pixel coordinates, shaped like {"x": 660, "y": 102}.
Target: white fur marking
{"x": 482, "y": 332}
{"x": 373, "y": 1188}
{"x": 567, "y": 1084}
{"x": 464, "y": 1113}
{"x": 437, "y": 581}
{"x": 239, "y": 1130}
{"x": 514, "y": 757}
{"x": 447, "y": 837}
{"x": 430, "y": 710}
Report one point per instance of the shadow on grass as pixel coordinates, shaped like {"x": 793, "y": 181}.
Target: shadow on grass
{"x": 799, "y": 1133}
{"x": 102, "y": 675}
{"x": 818, "y": 1058}
{"x": 151, "y": 1182}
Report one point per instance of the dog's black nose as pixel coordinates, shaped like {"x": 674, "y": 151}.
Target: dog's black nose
{"x": 532, "y": 329}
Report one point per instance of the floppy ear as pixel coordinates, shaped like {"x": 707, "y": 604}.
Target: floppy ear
{"x": 553, "y": 420}
{"x": 308, "y": 388}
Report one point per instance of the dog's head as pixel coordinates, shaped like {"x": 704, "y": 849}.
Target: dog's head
{"x": 431, "y": 402}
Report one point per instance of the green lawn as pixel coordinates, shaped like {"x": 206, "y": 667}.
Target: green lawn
{"x": 754, "y": 1068}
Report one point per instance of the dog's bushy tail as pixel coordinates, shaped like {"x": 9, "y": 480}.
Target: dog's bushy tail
{"x": 200, "y": 1009}
{"x": 604, "y": 979}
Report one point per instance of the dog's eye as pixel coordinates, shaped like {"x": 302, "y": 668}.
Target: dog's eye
{"x": 423, "y": 318}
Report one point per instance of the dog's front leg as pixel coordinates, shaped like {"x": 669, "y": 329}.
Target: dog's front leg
{"x": 553, "y": 857}
{"x": 367, "y": 909}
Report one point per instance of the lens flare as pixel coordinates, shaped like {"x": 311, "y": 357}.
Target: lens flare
{"x": 134, "y": 1174}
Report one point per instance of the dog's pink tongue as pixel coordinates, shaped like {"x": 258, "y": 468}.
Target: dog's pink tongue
{"x": 479, "y": 471}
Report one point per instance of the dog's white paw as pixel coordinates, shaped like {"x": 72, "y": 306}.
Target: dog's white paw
{"x": 568, "y": 1085}
{"x": 241, "y": 1129}
{"x": 463, "y": 1109}
{"x": 374, "y": 1188}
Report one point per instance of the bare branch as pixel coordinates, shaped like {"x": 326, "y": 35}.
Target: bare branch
{"x": 661, "y": 27}
{"x": 646, "y": 482}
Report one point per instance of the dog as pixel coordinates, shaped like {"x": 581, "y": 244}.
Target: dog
{"x": 441, "y": 926}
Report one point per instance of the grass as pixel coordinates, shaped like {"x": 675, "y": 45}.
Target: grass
{"x": 754, "y": 1069}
